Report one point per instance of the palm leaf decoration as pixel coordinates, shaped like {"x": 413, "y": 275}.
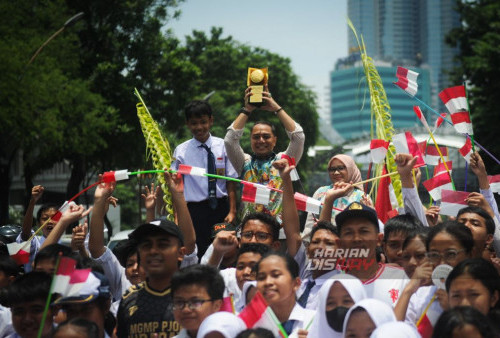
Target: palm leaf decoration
{"x": 158, "y": 148}
{"x": 381, "y": 114}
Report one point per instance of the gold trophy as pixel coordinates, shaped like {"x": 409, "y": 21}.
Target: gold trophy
{"x": 256, "y": 80}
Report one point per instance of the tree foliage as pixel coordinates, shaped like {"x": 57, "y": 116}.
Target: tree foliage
{"x": 478, "y": 40}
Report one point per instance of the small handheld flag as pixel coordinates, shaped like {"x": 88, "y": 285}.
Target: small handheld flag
{"x": 455, "y": 99}
{"x": 436, "y": 184}
{"x": 294, "y": 175}
{"x": 306, "y": 203}
{"x": 466, "y": 150}
{"x": 255, "y": 193}
{"x": 452, "y": 202}
{"x": 462, "y": 123}
{"x": 378, "y": 150}
{"x": 407, "y": 80}
{"x": 189, "y": 170}
{"x": 405, "y": 143}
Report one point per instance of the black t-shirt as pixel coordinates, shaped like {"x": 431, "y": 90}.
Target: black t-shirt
{"x": 143, "y": 312}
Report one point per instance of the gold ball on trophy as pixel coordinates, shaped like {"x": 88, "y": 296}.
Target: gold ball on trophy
{"x": 257, "y": 76}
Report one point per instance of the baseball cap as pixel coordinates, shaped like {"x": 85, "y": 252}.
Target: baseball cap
{"x": 357, "y": 209}
{"x": 224, "y": 226}
{"x": 158, "y": 226}
{"x": 96, "y": 285}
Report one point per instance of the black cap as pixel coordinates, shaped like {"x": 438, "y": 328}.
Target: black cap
{"x": 225, "y": 226}
{"x": 356, "y": 209}
{"x": 160, "y": 225}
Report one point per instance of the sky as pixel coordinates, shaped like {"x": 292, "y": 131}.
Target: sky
{"x": 313, "y": 34}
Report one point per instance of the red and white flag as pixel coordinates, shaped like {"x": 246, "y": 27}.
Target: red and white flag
{"x": 71, "y": 282}
{"x": 454, "y": 98}
{"x": 432, "y": 155}
{"x": 466, "y": 150}
{"x": 378, "y": 150}
{"x": 407, "y": 80}
{"x": 422, "y": 146}
{"x": 462, "y": 123}
{"x": 439, "y": 122}
{"x": 63, "y": 275}
{"x": 420, "y": 116}
{"x": 114, "y": 176}
{"x": 294, "y": 175}
{"x": 258, "y": 314}
{"x": 255, "y": 193}
{"x": 405, "y": 143}
{"x": 436, "y": 184}
{"x": 306, "y": 203}
{"x": 452, "y": 202}
{"x": 441, "y": 169}
{"x": 189, "y": 170}
{"x": 494, "y": 183}
{"x": 19, "y": 252}
{"x": 57, "y": 216}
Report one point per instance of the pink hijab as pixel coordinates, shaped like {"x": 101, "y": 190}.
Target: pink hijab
{"x": 353, "y": 173}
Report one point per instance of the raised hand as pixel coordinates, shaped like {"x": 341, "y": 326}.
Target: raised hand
{"x": 432, "y": 215}
{"x": 283, "y": 167}
{"x": 36, "y": 193}
{"x": 225, "y": 241}
{"x": 174, "y": 182}
{"x": 339, "y": 189}
{"x": 150, "y": 196}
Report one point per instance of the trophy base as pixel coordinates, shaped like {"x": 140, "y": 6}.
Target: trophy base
{"x": 256, "y": 97}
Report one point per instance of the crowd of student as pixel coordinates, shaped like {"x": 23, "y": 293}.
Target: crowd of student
{"x": 346, "y": 274}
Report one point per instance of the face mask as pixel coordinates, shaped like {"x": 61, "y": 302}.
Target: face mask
{"x": 336, "y": 318}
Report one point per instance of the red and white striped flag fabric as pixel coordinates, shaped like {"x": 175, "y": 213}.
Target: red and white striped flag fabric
{"x": 462, "y": 123}
{"x": 294, "y": 175}
{"x": 436, "y": 184}
{"x": 439, "y": 121}
{"x": 432, "y": 155}
{"x": 114, "y": 176}
{"x": 466, "y": 150}
{"x": 454, "y": 98}
{"x": 405, "y": 143}
{"x": 258, "y": 314}
{"x": 57, "y": 216}
{"x": 452, "y": 202}
{"x": 494, "y": 183}
{"x": 189, "y": 170}
{"x": 306, "y": 203}
{"x": 255, "y": 193}
{"x": 378, "y": 150}
{"x": 19, "y": 252}
{"x": 420, "y": 116}
{"x": 63, "y": 275}
{"x": 441, "y": 169}
{"x": 407, "y": 80}
{"x": 422, "y": 146}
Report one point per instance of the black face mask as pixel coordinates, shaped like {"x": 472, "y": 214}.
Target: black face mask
{"x": 336, "y": 318}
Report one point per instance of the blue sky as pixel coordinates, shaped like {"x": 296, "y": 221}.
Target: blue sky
{"x": 313, "y": 34}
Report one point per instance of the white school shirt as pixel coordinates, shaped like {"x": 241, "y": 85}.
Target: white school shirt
{"x": 232, "y": 288}
{"x": 191, "y": 153}
{"x": 419, "y": 301}
{"x": 387, "y": 284}
{"x": 302, "y": 318}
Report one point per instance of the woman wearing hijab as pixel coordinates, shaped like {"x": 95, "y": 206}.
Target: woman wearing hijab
{"x": 365, "y": 316}
{"x": 336, "y": 297}
{"x": 395, "y": 330}
{"x": 342, "y": 170}
{"x": 221, "y": 324}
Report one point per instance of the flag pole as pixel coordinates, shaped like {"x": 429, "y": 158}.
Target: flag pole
{"x": 375, "y": 178}
{"x": 49, "y": 297}
{"x": 468, "y": 109}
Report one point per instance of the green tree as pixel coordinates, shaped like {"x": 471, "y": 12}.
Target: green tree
{"x": 478, "y": 39}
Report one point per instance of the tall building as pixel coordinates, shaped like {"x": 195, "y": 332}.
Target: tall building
{"x": 395, "y": 32}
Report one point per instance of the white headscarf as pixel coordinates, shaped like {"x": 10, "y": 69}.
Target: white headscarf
{"x": 395, "y": 330}
{"x": 320, "y": 326}
{"x": 228, "y": 324}
{"x": 242, "y": 301}
{"x": 378, "y": 311}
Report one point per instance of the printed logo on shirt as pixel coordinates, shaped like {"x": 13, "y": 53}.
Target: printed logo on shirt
{"x": 220, "y": 171}
{"x": 132, "y": 310}
{"x": 394, "y": 295}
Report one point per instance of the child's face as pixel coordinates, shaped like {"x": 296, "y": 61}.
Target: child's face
{"x": 393, "y": 247}
{"x": 200, "y": 127}
{"x": 244, "y": 266}
{"x": 275, "y": 282}
{"x": 27, "y": 316}
{"x": 51, "y": 224}
{"x": 133, "y": 271}
{"x": 360, "y": 325}
{"x": 191, "y": 318}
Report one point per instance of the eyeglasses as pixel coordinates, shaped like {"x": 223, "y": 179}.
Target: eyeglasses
{"x": 191, "y": 304}
{"x": 448, "y": 256}
{"x": 259, "y": 236}
{"x": 334, "y": 169}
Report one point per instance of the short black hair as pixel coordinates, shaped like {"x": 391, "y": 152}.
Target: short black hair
{"x": 90, "y": 329}
{"x": 45, "y": 207}
{"x": 291, "y": 264}
{"x": 52, "y": 251}
{"x": 31, "y": 286}
{"x": 490, "y": 223}
{"x": 457, "y": 230}
{"x": 9, "y": 267}
{"x": 421, "y": 233}
{"x": 203, "y": 275}
{"x": 460, "y": 316}
{"x": 267, "y": 123}
{"x": 257, "y": 248}
{"x": 124, "y": 249}
{"x": 267, "y": 219}
{"x": 401, "y": 224}
{"x": 255, "y": 333}
{"x": 324, "y": 225}
{"x": 197, "y": 108}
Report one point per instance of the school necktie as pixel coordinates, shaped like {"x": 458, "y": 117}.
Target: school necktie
{"x": 303, "y": 299}
{"x": 212, "y": 182}
{"x": 288, "y": 326}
